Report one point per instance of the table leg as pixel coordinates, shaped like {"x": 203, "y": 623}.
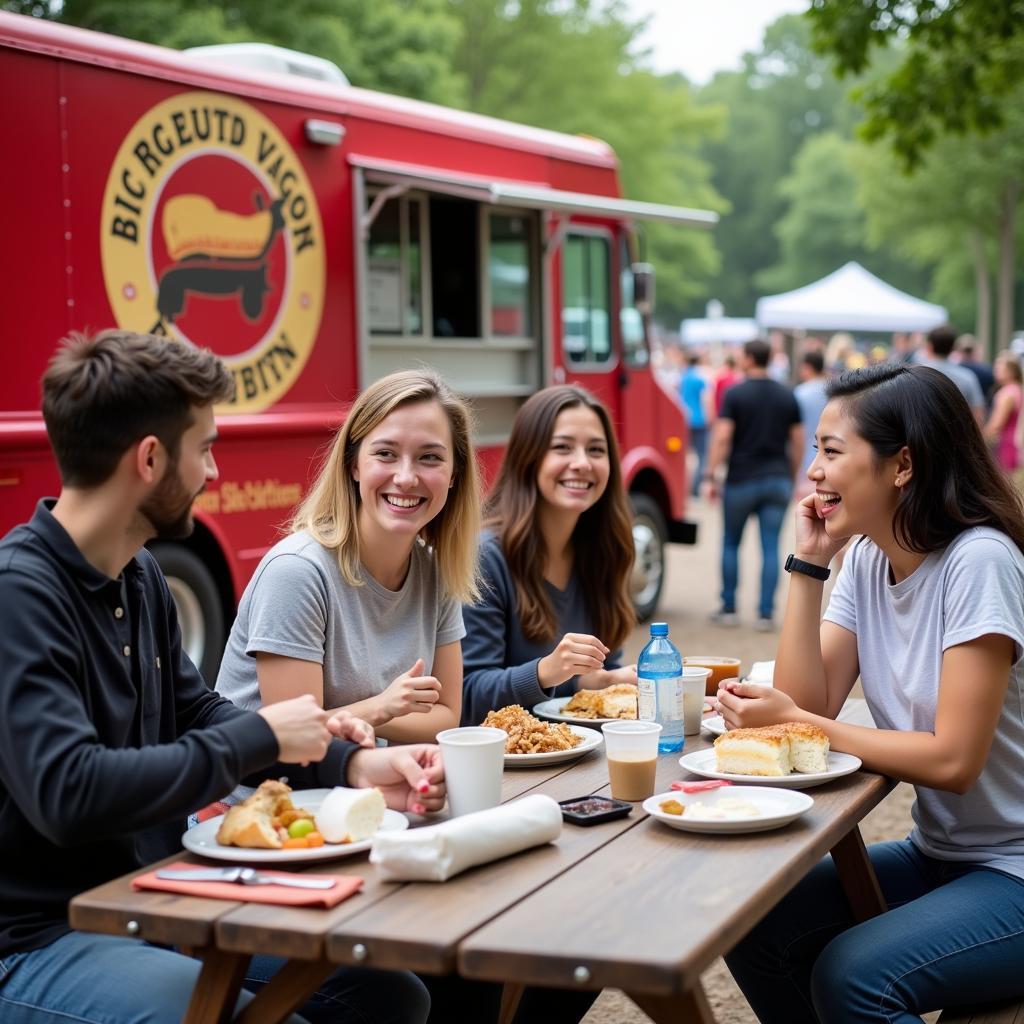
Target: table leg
{"x": 691, "y": 1007}
{"x": 286, "y": 991}
{"x": 220, "y": 980}
{"x": 511, "y": 993}
{"x": 857, "y": 876}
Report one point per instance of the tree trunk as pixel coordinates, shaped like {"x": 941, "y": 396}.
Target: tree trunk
{"x": 982, "y": 297}
{"x": 1007, "y": 247}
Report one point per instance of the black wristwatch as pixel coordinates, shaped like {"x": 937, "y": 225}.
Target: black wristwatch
{"x": 794, "y": 564}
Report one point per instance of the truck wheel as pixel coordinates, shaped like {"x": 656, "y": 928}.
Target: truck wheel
{"x": 649, "y": 537}
{"x": 197, "y": 599}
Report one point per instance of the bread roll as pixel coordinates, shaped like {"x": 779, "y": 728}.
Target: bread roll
{"x": 349, "y": 815}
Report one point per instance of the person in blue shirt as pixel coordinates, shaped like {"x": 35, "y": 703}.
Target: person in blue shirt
{"x": 555, "y": 561}
{"x": 693, "y": 393}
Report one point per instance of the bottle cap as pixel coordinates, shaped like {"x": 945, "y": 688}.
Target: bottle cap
{"x": 659, "y": 629}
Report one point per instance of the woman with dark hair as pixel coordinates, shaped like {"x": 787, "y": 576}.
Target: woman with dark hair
{"x": 1001, "y": 429}
{"x": 555, "y": 560}
{"x": 929, "y": 612}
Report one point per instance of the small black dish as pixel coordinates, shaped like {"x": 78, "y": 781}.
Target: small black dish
{"x": 591, "y": 810}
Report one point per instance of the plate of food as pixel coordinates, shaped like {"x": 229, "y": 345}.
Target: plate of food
{"x": 791, "y": 755}
{"x": 591, "y": 707}
{"x": 729, "y": 809}
{"x": 268, "y": 827}
{"x": 532, "y": 742}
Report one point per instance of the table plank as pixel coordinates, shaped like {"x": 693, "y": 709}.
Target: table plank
{"x": 695, "y": 894}
{"x": 420, "y": 927}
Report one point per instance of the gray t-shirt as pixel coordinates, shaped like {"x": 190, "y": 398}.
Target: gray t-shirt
{"x": 972, "y": 588}
{"x": 299, "y": 605}
{"x": 962, "y": 378}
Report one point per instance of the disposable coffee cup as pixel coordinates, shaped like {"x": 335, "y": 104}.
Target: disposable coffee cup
{"x": 632, "y": 751}
{"x": 474, "y": 760}
{"x": 721, "y": 668}
{"x": 694, "y": 681}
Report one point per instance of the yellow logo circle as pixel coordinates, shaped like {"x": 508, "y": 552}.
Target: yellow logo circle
{"x": 211, "y": 233}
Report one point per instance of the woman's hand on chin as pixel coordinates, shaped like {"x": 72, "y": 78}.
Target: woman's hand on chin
{"x": 747, "y": 705}
{"x": 813, "y": 543}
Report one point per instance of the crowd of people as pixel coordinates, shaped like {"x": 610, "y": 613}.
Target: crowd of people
{"x": 753, "y": 450}
{"x": 398, "y": 605}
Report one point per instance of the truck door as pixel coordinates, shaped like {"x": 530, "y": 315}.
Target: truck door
{"x": 589, "y": 356}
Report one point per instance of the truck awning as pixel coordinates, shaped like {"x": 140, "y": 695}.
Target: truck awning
{"x": 535, "y": 196}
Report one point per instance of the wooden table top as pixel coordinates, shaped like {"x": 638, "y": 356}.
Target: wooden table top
{"x": 629, "y": 903}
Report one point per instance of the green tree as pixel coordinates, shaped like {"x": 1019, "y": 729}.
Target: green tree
{"x": 958, "y": 60}
{"x": 825, "y": 223}
{"x": 573, "y": 67}
{"x": 399, "y": 46}
{"x": 784, "y": 95}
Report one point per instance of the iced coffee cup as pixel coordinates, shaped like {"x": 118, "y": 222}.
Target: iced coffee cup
{"x": 632, "y": 749}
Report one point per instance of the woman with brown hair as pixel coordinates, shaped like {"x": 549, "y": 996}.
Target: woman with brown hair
{"x": 556, "y": 556}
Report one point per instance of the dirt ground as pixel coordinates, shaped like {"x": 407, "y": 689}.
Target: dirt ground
{"x": 690, "y": 595}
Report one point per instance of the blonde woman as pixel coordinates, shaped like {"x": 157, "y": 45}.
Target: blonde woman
{"x": 360, "y": 604}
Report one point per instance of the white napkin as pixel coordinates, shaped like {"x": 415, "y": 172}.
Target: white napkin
{"x": 761, "y": 672}
{"x": 437, "y": 852}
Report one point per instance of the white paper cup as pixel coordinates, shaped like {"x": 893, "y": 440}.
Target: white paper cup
{"x": 474, "y": 760}
{"x": 632, "y": 750}
{"x": 694, "y": 682}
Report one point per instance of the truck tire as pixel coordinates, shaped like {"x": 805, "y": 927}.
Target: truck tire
{"x": 649, "y": 537}
{"x": 200, "y": 614}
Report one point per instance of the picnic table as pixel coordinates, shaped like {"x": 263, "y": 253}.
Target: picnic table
{"x": 629, "y": 904}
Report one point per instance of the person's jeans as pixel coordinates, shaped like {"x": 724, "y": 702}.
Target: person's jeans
{"x": 954, "y": 934}
{"x": 104, "y": 979}
{"x": 699, "y": 444}
{"x": 766, "y": 498}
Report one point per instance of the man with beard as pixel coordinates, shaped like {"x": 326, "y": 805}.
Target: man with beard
{"x": 109, "y": 737}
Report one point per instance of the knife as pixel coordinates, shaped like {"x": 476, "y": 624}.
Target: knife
{"x": 243, "y": 876}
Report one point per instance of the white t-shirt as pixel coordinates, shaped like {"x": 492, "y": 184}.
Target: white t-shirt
{"x": 972, "y": 588}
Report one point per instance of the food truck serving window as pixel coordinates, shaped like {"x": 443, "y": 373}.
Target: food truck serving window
{"x": 394, "y": 264}
{"x": 586, "y": 299}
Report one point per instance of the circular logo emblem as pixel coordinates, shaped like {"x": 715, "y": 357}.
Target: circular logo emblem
{"x": 211, "y": 233}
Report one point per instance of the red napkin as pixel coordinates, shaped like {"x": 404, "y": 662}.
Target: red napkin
{"x": 346, "y": 885}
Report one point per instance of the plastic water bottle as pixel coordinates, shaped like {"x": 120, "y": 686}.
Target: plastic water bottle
{"x": 659, "y": 671}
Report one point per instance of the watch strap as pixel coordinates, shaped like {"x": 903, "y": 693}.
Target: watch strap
{"x": 794, "y": 564}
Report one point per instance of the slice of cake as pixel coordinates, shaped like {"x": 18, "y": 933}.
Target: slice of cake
{"x": 618, "y": 701}
{"x": 772, "y": 750}
{"x": 764, "y": 751}
{"x": 808, "y": 747}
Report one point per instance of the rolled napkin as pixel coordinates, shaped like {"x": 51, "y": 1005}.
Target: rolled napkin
{"x": 437, "y": 852}
{"x": 761, "y": 672}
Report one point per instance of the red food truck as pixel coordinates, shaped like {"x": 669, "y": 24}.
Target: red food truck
{"x": 315, "y": 236}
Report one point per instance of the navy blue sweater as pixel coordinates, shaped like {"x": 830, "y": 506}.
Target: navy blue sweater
{"x": 500, "y": 664}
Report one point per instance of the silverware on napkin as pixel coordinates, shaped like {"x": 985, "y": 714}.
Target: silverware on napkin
{"x": 244, "y": 876}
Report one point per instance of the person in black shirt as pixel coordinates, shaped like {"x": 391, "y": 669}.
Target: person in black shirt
{"x": 759, "y": 431}
{"x": 109, "y": 737}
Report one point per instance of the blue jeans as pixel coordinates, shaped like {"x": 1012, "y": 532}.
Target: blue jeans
{"x": 954, "y": 934}
{"x": 105, "y": 979}
{"x": 766, "y": 498}
{"x": 699, "y": 444}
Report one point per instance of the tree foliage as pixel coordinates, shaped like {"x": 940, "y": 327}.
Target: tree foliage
{"x": 959, "y": 60}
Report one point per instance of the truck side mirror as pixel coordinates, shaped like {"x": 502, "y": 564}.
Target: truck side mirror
{"x": 643, "y": 288}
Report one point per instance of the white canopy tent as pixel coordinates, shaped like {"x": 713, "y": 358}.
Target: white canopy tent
{"x": 849, "y": 299}
{"x": 723, "y": 330}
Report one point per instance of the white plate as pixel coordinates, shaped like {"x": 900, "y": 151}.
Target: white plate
{"x": 777, "y": 807}
{"x": 552, "y": 711}
{"x": 202, "y": 838}
{"x": 714, "y": 724}
{"x": 592, "y": 739}
{"x": 702, "y": 762}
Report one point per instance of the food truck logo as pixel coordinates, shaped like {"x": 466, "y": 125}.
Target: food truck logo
{"x": 211, "y": 233}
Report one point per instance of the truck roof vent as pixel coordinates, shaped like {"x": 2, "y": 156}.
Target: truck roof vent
{"x": 265, "y": 57}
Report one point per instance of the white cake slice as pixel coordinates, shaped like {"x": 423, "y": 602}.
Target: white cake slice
{"x": 349, "y": 815}
{"x": 808, "y": 747}
{"x": 763, "y": 751}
